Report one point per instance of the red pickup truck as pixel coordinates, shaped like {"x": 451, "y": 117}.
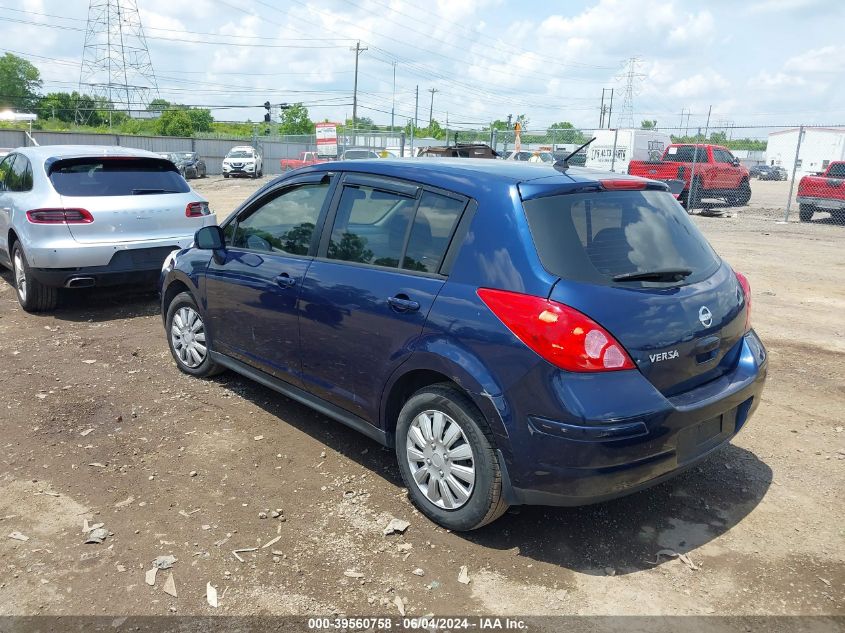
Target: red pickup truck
{"x": 823, "y": 192}
{"x": 718, "y": 174}
{"x": 305, "y": 159}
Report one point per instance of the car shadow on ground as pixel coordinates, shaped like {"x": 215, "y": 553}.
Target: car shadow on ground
{"x": 98, "y": 304}
{"x": 623, "y": 535}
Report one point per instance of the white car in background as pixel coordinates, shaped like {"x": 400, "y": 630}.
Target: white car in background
{"x": 243, "y": 160}
{"x": 75, "y": 216}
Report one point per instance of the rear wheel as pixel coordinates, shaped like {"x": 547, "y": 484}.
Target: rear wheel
{"x": 446, "y": 456}
{"x": 805, "y": 212}
{"x": 691, "y": 198}
{"x": 32, "y": 294}
{"x": 186, "y": 337}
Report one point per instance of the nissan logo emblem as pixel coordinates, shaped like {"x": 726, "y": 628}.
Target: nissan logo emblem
{"x": 705, "y": 316}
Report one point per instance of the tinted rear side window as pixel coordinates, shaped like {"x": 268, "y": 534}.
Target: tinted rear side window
{"x": 433, "y": 225}
{"x": 116, "y": 177}
{"x": 593, "y": 237}
{"x": 837, "y": 170}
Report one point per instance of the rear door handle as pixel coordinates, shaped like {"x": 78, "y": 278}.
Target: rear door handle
{"x": 401, "y": 303}
{"x": 285, "y": 281}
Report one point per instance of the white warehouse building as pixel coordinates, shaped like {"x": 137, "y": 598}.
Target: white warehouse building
{"x": 819, "y": 147}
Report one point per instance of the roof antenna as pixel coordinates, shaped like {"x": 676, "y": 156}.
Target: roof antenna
{"x": 563, "y": 165}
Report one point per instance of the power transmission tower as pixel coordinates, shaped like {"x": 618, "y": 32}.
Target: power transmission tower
{"x": 626, "y": 119}
{"x": 116, "y": 64}
{"x": 431, "y": 109}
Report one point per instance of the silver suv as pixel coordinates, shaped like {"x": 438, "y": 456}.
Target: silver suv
{"x": 80, "y": 216}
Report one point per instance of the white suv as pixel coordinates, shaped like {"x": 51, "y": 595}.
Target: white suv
{"x": 243, "y": 160}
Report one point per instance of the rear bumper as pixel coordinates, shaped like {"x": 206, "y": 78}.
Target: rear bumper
{"x": 556, "y": 463}
{"x": 132, "y": 265}
{"x": 826, "y": 204}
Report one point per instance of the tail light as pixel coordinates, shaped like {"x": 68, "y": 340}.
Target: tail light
{"x": 561, "y": 335}
{"x": 59, "y": 216}
{"x": 197, "y": 209}
{"x": 746, "y": 290}
{"x": 624, "y": 184}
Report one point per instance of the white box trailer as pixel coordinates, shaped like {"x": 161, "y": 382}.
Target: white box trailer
{"x": 614, "y": 149}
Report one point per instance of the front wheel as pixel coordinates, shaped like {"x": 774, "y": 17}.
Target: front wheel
{"x": 225, "y": 175}
{"x": 743, "y": 194}
{"x": 186, "y": 337}
{"x": 33, "y": 296}
{"x": 447, "y": 460}
{"x": 805, "y": 212}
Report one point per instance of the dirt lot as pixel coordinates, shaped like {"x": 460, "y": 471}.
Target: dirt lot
{"x": 98, "y": 424}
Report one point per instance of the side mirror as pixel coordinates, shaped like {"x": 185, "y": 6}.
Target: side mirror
{"x": 735, "y": 162}
{"x": 210, "y": 238}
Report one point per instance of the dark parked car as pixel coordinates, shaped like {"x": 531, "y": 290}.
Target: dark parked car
{"x": 768, "y": 172}
{"x": 578, "y": 159}
{"x": 176, "y": 159}
{"x": 193, "y": 165}
{"x": 518, "y": 335}
{"x": 461, "y": 150}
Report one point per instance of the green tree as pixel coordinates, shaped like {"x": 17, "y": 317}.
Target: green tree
{"x": 158, "y": 105}
{"x": 60, "y": 106}
{"x": 201, "y": 119}
{"x": 174, "y": 123}
{"x": 648, "y": 124}
{"x": 565, "y": 132}
{"x": 295, "y": 120}
{"x": 19, "y": 83}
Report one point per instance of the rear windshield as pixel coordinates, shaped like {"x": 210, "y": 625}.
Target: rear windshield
{"x": 594, "y": 237}
{"x": 686, "y": 154}
{"x": 115, "y": 177}
{"x": 837, "y": 170}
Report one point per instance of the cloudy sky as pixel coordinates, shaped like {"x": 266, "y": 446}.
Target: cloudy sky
{"x": 758, "y": 62}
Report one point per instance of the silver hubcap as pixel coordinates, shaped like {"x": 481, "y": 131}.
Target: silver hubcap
{"x": 20, "y": 276}
{"x": 441, "y": 459}
{"x": 187, "y": 336}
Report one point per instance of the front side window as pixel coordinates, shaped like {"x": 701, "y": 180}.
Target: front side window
{"x": 721, "y": 156}
{"x": 370, "y": 226}
{"x": 284, "y": 224}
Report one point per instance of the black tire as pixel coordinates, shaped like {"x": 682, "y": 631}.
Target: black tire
{"x": 690, "y": 200}
{"x": 805, "y": 212}
{"x": 261, "y": 173}
{"x": 225, "y": 175}
{"x": 486, "y": 502}
{"x": 207, "y": 367}
{"x": 743, "y": 194}
{"x": 36, "y": 297}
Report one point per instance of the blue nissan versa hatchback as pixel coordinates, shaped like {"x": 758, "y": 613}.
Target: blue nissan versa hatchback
{"x": 520, "y": 334}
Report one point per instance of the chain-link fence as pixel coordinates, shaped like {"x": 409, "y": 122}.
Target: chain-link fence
{"x": 779, "y": 173}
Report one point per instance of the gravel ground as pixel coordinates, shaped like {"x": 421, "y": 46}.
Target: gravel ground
{"x": 99, "y": 426}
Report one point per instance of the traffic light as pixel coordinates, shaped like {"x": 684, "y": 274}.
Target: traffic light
{"x": 267, "y": 115}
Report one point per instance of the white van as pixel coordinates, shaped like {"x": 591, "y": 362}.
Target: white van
{"x": 614, "y": 149}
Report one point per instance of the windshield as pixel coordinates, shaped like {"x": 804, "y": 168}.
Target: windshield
{"x": 115, "y": 177}
{"x": 594, "y": 237}
{"x": 187, "y": 156}
{"x": 357, "y": 153}
{"x": 239, "y": 154}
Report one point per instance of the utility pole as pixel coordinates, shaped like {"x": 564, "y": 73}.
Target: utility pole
{"x": 393, "y": 102}
{"x": 414, "y": 122}
{"x": 358, "y": 50}
{"x": 431, "y": 109}
{"x": 794, "y": 172}
{"x": 416, "y": 106}
{"x": 610, "y": 109}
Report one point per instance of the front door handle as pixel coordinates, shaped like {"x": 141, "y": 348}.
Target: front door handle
{"x": 285, "y": 281}
{"x": 401, "y": 303}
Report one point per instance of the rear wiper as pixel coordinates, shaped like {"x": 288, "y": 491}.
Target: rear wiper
{"x": 663, "y": 274}
{"x": 142, "y": 192}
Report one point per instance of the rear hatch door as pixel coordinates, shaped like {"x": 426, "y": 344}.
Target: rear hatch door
{"x": 130, "y": 199}
{"x": 635, "y": 263}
